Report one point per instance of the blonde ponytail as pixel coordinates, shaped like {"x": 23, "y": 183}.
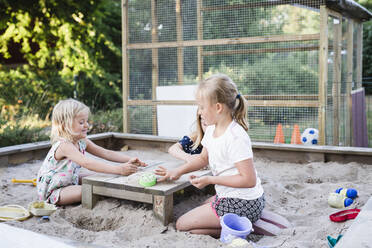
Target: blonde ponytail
{"x": 240, "y": 113}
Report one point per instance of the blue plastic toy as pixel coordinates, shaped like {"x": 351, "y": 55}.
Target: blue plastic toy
{"x": 351, "y": 193}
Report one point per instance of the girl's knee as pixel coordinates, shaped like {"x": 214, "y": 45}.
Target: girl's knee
{"x": 181, "y": 224}
{"x": 70, "y": 194}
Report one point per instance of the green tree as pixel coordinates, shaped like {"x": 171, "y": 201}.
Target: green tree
{"x": 367, "y": 41}
{"x": 55, "y": 41}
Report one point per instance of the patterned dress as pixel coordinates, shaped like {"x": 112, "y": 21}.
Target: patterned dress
{"x": 56, "y": 174}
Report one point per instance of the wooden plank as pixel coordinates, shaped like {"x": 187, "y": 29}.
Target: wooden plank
{"x": 24, "y": 147}
{"x": 260, "y": 4}
{"x": 323, "y": 73}
{"x": 289, "y": 156}
{"x": 163, "y": 208}
{"x": 334, "y": 14}
{"x": 337, "y": 150}
{"x": 267, "y": 103}
{"x": 281, "y": 97}
{"x": 123, "y": 194}
{"x": 262, "y": 50}
{"x": 283, "y": 103}
{"x": 125, "y": 63}
{"x": 199, "y": 23}
{"x": 336, "y": 85}
{"x": 88, "y": 199}
{"x": 148, "y": 145}
{"x": 155, "y": 64}
{"x": 4, "y": 160}
{"x": 20, "y": 157}
{"x": 130, "y": 183}
{"x": 227, "y": 41}
{"x": 144, "y": 137}
{"x": 162, "y": 102}
{"x": 349, "y": 81}
{"x": 179, "y": 30}
{"x": 359, "y": 54}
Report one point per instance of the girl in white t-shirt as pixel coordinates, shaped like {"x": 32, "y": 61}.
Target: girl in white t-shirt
{"x": 228, "y": 151}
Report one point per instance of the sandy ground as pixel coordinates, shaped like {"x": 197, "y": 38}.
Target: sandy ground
{"x": 298, "y": 192}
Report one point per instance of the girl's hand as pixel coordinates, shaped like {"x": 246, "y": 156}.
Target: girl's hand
{"x": 137, "y": 162}
{"x": 200, "y": 182}
{"x": 166, "y": 174}
{"x": 127, "y": 169}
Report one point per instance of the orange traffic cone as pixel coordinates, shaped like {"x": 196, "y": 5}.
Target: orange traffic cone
{"x": 296, "y": 135}
{"x": 279, "y": 136}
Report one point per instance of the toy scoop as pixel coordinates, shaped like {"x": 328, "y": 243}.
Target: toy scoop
{"x": 33, "y": 181}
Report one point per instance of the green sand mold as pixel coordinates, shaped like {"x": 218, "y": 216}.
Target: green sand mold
{"x": 147, "y": 179}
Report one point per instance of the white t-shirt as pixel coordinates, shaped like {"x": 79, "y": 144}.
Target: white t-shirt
{"x": 223, "y": 152}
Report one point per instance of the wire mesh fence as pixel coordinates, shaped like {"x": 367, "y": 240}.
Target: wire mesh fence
{"x": 270, "y": 49}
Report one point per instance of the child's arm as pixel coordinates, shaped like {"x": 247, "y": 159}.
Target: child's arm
{"x": 68, "y": 150}
{"x": 197, "y": 162}
{"x": 177, "y": 151}
{"x": 245, "y": 179}
{"x": 107, "y": 154}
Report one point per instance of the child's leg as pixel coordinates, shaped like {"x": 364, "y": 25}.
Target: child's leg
{"x": 265, "y": 228}
{"x": 209, "y": 200}
{"x": 200, "y": 220}
{"x": 70, "y": 194}
{"x": 275, "y": 219}
{"x": 270, "y": 223}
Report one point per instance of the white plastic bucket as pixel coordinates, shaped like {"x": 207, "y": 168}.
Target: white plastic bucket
{"x": 234, "y": 226}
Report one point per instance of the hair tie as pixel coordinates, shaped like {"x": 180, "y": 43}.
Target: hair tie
{"x": 237, "y": 96}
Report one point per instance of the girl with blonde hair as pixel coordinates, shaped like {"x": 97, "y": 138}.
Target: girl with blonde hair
{"x": 58, "y": 177}
{"x": 228, "y": 151}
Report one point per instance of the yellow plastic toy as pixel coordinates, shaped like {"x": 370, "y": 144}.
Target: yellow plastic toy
{"x": 13, "y": 212}
{"x": 33, "y": 181}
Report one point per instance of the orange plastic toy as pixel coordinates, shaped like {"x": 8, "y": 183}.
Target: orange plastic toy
{"x": 296, "y": 135}
{"x": 279, "y": 136}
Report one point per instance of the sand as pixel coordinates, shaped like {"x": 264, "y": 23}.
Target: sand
{"x": 298, "y": 192}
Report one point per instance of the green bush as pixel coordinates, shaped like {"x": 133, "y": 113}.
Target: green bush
{"x": 15, "y": 135}
{"x": 15, "y": 129}
{"x": 106, "y": 121}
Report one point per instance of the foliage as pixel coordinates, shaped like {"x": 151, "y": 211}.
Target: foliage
{"x": 140, "y": 119}
{"x": 21, "y": 129}
{"x": 106, "y": 121}
{"x": 59, "y": 40}
{"x": 283, "y": 79}
{"x": 30, "y": 128}
{"x": 14, "y": 135}
{"x": 367, "y": 41}
{"x": 367, "y": 49}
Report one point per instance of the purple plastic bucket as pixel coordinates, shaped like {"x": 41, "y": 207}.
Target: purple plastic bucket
{"x": 234, "y": 226}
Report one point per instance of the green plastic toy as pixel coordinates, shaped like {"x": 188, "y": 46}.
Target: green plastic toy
{"x": 147, "y": 179}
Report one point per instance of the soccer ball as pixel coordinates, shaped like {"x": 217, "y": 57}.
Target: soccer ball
{"x": 310, "y": 136}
